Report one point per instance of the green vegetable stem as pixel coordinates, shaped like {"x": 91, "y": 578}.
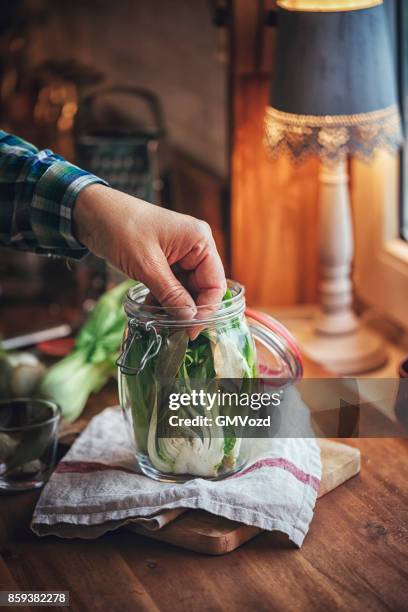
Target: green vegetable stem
{"x": 92, "y": 361}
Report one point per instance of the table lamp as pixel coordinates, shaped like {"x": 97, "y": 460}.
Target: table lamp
{"x": 334, "y": 95}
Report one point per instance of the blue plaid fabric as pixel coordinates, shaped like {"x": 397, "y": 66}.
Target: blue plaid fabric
{"x": 38, "y": 190}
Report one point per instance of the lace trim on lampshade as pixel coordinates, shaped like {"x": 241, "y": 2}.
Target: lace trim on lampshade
{"x": 332, "y": 137}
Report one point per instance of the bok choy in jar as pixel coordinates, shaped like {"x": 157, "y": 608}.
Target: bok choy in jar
{"x": 165, "y": 355}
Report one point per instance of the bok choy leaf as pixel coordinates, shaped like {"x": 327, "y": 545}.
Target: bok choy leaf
{"x": 88, "y": 367}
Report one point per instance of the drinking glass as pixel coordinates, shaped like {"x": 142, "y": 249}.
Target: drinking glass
{"x": 28, "y": 442}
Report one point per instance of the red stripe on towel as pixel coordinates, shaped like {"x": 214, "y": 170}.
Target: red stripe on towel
{"x": 284, "y": 464}
{"x": 86, "y": 467}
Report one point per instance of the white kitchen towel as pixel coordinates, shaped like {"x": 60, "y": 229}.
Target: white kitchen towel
{"x": 98, "y": 486}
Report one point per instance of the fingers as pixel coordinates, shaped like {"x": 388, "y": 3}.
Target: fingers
{"x": 179, "y": 241}
{"x": 206, "y": 278}
{"x": 166, "y": 288}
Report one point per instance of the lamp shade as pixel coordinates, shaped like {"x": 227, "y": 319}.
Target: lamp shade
{"x": 334, "y": 85}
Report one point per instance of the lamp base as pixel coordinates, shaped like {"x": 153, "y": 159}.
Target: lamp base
{"x": 354, "y": 353}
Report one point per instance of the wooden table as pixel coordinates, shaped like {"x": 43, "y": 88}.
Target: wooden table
{"x": 355, "y": 556}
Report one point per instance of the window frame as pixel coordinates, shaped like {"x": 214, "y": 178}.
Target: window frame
{"x": 381, "y": 255}
{"x": 401, "y": 26}
{"x": 378, "y": 200}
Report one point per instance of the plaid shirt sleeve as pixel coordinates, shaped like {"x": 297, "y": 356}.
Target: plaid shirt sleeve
{"x": 38, "y": 190}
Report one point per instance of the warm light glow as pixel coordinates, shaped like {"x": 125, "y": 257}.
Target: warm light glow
{"x": 326, "y": 6}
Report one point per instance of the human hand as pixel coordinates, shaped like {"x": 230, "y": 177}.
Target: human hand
{"x": 152, "y": 244}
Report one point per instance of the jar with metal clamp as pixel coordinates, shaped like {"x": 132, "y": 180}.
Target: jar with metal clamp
{"x": 173, "y": 370}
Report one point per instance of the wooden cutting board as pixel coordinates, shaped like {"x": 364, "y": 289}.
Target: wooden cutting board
{"x": 213, "y": 535}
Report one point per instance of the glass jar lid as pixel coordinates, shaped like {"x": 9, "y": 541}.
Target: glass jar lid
{"x": 140, "y": 306}
{"x": 278, "y": 354}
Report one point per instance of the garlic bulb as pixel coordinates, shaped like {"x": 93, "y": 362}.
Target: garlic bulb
{"x": 20, "y": 373}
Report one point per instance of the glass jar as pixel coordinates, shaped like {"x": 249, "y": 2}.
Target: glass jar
{"x": 165, "y": 354}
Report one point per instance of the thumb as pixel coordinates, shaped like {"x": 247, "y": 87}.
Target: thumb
{"x": 167, "y": 289}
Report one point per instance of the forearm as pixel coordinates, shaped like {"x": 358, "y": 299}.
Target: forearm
{"x": 38, "y": 191}
{"x": 95, "y": 208}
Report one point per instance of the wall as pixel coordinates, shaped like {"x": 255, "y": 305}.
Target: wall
{"x": 168, "y": 46}
{"x": 274, "y": 202}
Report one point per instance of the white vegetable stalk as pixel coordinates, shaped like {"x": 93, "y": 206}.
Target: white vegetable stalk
{"x": 72, "y": 380}
{"x": 186, "y": 455}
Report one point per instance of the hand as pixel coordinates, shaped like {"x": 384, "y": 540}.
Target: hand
{"x": 152, "y": 244}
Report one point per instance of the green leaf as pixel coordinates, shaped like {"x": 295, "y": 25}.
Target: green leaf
{"x": 171, "y": 355}
{"x": 229, "y": 444}
{"x": 102, "y": 332}
{"x": 139, "y": 390}
{"x": 71, "y": 381}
